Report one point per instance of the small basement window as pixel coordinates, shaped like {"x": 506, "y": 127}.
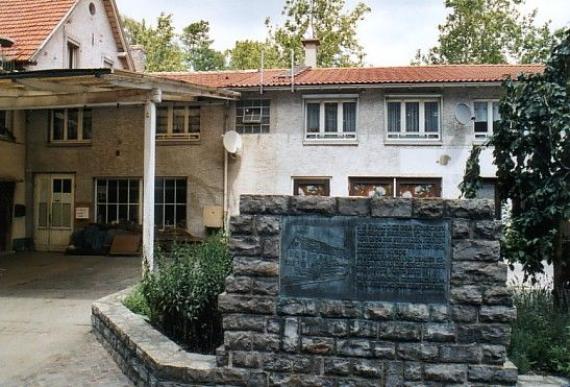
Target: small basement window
{"x": 311, "y": 187}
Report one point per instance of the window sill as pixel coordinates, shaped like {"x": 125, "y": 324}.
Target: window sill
{"x": 331, "y": 141}
{"x": 177, "y": 141}
{"x": 415, "y": 142}
{"x": 56, "y": 144}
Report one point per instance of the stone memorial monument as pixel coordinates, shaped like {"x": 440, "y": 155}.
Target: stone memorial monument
{"x": 366, "y": 292}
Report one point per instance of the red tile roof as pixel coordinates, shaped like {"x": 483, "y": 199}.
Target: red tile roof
{"x": 29, "y": 23}
{"x": 357, "y": 76}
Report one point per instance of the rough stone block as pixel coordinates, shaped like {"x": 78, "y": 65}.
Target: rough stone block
{"x": 412, "y": 371}
{"x": 238, "y": 340}
{"x": 438, "y": 313}
{"x": 391, "y": 207}
{"x": 238, "y": 284}
{"x": 298, "y": 307}
{"x": 274, "y": 325}
{"x": 460, "y": 353}
{"x": 400, "y": 330}
{"x": 471, "y": 209}
{"x": 270, "y": 247}
{"x": 247, "y": 359}
{"x": 461, "y": 229}
{"x": 337, "y": 366}
{"x": 367, "y": 369}
{"x": 354, "y": 206}
{"x": 379, "y": 310}
{"x": 412, "y": 312}
{"x": 476, "y": 250}
{"x": 262, "y": 204}
{"x": 255, "y": 267}
{"x": 317, "y": 345}
{"x": 499, "y": 295}
{"x": 267, "y": 225}
{"x": 464, "y": 313}
{"x": 266, "y": 342}
{"x": 283, "y": 380}
{"x": 428, "y": 208}
{"x": 290, "y": 339}
{"x": 498, "y": 334}
{"x": 493, "y": 374}
{"x": 265, "y": 286}
{"x": 383, "y": 350}
{"x": 314, "y": 205}
{"x": 363, "y": 328}
{"x": 291, "y": 363}
{"x": 478, "y": 273}
{"x": 324, "y": 327}
{"x": 394, "y": 374}
{"x": 354, "y": 348}
{"x": 447, "y": 373}
{"x": 487, "y": 229}
{"x": 497, "y": 313}
{"x": 244, "y": 322}
{"x": 338, "y": 308}
{"x": 240, "y": 225}
{"x": 230, "y": 303}
{"x": 494, "y": 354}
{"x": 244, "y": 245}
{"x": 417, "y": 351}
{"x": 439, "y": 332}
{"x": 469, "y": 294}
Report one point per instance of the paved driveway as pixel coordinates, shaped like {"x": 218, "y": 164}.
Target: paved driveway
{"x": 45, "y": 308}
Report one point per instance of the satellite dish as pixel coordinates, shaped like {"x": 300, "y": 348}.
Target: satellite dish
{"x": 463, "y": 113}
{"x": 232, "y": 142}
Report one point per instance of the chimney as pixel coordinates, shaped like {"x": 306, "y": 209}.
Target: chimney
{"x": 311, "y": 46}
{"x": 138, "y": 53}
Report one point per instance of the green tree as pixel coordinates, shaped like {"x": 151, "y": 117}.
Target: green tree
{"x": 162, "y": 51}
{"x": 532, "y": 154}
{"x": 199, "y": 54}
{"x": 489, "y": 31}
{"x": 334, "y": 26}
{"x": 246, "y": 54}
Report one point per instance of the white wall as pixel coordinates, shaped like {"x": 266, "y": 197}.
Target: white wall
{"x": 269, "y": 161}
{"x": 92, "y": 32}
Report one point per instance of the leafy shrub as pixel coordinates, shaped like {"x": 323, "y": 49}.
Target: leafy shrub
{"x": 182, "y": 295}
{"x": 541, "y": 333}
{"x": 136, "y": 302}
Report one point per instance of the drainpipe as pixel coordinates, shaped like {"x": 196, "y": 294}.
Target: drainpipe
{"x": 225, "y": 198}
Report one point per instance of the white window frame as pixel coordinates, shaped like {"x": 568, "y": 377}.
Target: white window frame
{"x": 72, "y": 56}
{"x": 128, "y": 202}
{"x": 322, "y": 135}
{"x": 186, "y": 135}
{"x": 481, "y": 137}
{"x": 420, "y": 136}
{"x": 65, "y": 140}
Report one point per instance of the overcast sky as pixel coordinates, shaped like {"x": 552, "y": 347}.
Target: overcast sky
{"x": 391, "y": 33}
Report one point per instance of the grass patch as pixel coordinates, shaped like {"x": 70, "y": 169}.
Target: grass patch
{"x": 541, "y": 334}
{"x": 136, "y": 302}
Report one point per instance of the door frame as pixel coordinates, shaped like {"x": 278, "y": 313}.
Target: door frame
{"x": 49, "y": 246}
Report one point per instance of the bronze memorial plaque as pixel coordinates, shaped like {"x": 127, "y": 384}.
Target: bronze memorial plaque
{"x": 405, "y": 260}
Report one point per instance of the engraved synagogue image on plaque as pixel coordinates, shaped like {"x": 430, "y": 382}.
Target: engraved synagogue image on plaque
{"x": 404, "y": 260}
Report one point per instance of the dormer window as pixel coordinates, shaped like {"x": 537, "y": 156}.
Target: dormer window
{"x": 72, "y": 55}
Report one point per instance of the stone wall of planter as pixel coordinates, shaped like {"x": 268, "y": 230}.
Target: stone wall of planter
{"x": 329, "y": 342}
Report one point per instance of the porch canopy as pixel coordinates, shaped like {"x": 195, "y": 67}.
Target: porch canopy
{"x": 49, "y": 89}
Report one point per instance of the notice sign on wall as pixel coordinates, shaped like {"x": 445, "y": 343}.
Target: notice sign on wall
{"x": 81, "y": 212}
{"x": 403, "y": 260}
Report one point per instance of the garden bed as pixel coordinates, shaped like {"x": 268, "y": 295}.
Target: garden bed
{"x": 147, "y": 356}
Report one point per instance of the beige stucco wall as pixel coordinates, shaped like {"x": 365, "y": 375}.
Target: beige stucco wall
{"x": 93, "y": 34}
{"x": 270, "y": 161}
{"x": 12, "y": 168}
{"x": 116, "y": 150}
